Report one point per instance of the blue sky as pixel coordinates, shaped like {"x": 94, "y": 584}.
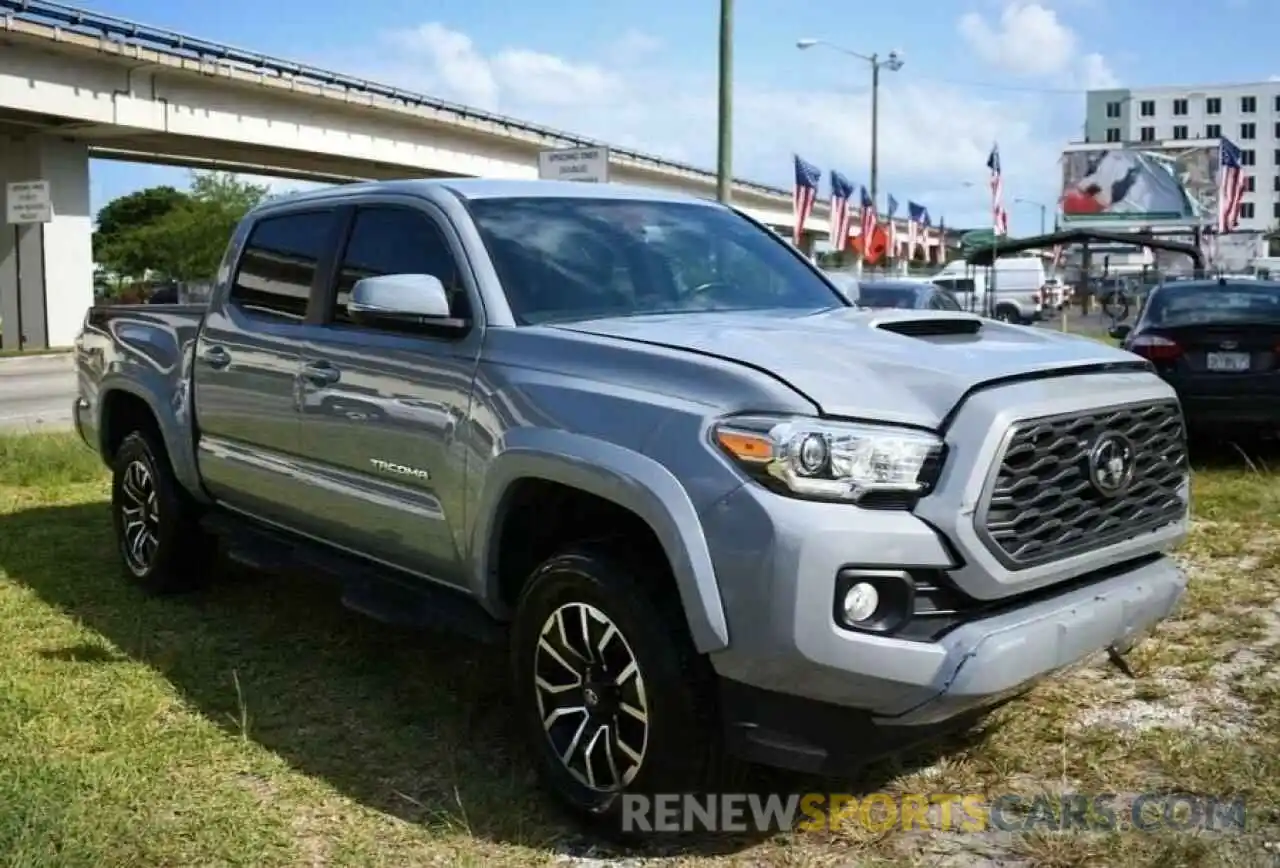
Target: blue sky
{"x": 643, "y": 75}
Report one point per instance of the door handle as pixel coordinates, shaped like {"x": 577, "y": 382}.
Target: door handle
{"x": 321, "y": 373}
{"x": 215, "y": 357}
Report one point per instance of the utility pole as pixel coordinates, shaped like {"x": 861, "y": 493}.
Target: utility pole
{"x": 724, "y": 147}
{"x": 875, "y": 128}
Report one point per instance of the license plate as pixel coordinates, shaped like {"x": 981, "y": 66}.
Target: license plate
{"x": 1228, "y": 361}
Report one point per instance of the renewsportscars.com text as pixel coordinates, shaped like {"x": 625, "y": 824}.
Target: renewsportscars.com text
{"x": 951, "y": 812}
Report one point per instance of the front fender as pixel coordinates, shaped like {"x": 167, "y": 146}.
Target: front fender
{"x": 627, "y": 478}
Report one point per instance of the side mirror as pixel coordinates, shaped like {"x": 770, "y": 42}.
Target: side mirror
{"x": 412, "y": 300}
{"x": 1120, "y": 331}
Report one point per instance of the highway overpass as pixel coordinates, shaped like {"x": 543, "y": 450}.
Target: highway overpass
{"x": 75, "y": 84}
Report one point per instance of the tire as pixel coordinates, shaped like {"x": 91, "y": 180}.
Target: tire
{"x": 1009, "y": 315}
{"x": 679, "y": 749}
{"x": 168, "y": 553}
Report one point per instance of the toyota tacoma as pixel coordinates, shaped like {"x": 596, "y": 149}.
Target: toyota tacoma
{"x": 714, "y": 510}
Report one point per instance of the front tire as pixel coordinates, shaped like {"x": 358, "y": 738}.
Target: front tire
{"x": 613, "y": 698}
{"x": 162, "y": 548}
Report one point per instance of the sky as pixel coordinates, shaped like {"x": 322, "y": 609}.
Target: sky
{"x": 643, "y": 76}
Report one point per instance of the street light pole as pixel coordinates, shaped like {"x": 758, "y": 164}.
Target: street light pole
{"x": 724, "y": 145}
{"x": 1044, "y": 211}
{"x": 893, "y": 62}
{"x": 875, "y": 126}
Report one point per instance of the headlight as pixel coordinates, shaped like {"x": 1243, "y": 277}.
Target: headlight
{"x": 828, "y": 460}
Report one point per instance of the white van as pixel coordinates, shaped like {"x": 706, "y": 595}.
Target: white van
{"x": 1019, "y": 280}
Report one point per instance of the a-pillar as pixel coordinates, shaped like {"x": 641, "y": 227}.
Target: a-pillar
{"x": 46, "y": 269}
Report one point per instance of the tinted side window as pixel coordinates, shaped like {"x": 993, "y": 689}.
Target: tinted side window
{"x": 942, "y": 300}
{"x": 397, "y": 241}
{"x": 279, "y": 263}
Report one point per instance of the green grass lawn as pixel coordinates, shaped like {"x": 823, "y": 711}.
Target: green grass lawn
{"x": 55, "y": 351}
{"x": 261, "y": 724}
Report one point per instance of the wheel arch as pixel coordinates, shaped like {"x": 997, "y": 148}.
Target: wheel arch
{"x": 629, "y": 481}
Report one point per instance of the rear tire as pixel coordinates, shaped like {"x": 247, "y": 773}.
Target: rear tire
{"x": 612, "y": 697}
{"x": 162, "y": 547}
{"x": 1009, "y": 315}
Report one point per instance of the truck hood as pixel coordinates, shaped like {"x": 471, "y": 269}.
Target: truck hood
{"x": 904, "y": 366}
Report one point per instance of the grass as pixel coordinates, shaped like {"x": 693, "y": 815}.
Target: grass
{"x": 50, "y": 351}
{"x": 260, "y": 724}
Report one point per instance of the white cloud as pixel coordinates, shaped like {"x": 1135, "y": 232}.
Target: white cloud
{"x": 1095, "y": 73}
{"x": 457, "y": 65}
{"x": 932, "y": 137}
{"x": 1030, "y": 39}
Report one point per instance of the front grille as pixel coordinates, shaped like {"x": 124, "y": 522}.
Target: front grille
{"x": 1042, "y": 505}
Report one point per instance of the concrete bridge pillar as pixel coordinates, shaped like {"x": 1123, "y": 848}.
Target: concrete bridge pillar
{"x": 46, "y": 269}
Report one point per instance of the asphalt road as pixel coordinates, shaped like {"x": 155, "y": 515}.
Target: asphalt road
{"x": 36, "y": 392}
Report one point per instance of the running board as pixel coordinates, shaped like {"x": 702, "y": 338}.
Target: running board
{"x": 381, "y": 593}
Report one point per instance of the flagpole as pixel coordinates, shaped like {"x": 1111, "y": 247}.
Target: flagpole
{"x": 990, "y": 301}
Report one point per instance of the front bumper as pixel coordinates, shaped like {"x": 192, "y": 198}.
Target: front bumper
{"x": 971, "y": 669}
{"x": 777, "y": 560}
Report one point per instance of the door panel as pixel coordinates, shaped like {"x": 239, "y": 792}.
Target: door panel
{"x": 381, "y": 409}
{"x": 246, "y": 369}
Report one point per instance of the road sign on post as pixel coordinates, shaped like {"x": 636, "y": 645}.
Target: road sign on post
{"x": 28, "y": 202}
{"x": 574, "y": 164}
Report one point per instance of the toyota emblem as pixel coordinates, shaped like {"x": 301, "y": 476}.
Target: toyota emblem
{"x": 1111, "y": 464}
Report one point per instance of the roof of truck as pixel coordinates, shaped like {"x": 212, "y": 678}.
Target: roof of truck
{"x": 498, "y": 188}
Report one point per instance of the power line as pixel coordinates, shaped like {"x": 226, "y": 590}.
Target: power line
{"x": 984, "y": 85}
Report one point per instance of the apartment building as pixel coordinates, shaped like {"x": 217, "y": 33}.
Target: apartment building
{"x": 1247, "y": 114}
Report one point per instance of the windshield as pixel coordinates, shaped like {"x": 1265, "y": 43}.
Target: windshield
{"x": 565, "y": 259}
{"x": 1189, "y": 304}
{"x": 870, "y": 295}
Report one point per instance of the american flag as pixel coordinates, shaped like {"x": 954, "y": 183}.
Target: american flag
{"x": 806, "y": 193}
{"x": 868, "y": 227}
{"x": 1230, "y": 186}
{"x": 999, "y": 216}
{"x": 917, "y": 220}
{"x": 841, "y": 193}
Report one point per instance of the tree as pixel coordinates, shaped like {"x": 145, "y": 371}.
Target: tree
{"x": 121, "y": 218}
{"x": 187, "y": 241}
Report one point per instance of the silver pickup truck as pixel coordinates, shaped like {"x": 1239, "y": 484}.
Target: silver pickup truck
{"x": 715, "y": 511}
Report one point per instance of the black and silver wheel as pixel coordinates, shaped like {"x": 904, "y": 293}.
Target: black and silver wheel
{"x": 161, "y": 545}
{"x": 140, "y": 518}
{"x": 1009, "y": 315}
{"x": 613, "y": 698}
{"x": 592, "y": 697}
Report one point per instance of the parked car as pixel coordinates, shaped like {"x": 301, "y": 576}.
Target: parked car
{"x": 846, "y": 282}
{"x": 1217, "y": 342}
{"x": 905, "y": 294}
{"x": 1015, "y": 297}
{"x": 711, "y": 508}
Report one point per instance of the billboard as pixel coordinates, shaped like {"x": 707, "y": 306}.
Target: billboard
{"x": 1130, "y": 187}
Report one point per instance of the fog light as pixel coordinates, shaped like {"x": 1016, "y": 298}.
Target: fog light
{"x": 860, "y": 602}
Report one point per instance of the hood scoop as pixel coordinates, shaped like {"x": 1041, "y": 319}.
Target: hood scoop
{"x": 930, "y": 326}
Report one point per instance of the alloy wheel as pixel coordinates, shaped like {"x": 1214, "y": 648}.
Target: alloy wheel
{"x": 139, "y": 517}
{"x": 592, "y": 698}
